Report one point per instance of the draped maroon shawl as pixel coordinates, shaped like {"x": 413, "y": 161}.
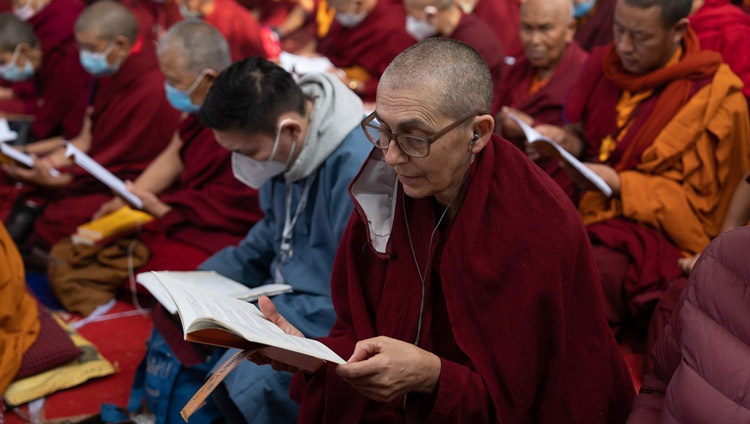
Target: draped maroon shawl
{"x": 521, "y": 300}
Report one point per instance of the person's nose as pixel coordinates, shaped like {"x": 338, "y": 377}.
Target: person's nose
{"x": 394, "y": 155}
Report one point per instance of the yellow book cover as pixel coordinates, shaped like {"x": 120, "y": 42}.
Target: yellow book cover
{"x": 114, "y": 223}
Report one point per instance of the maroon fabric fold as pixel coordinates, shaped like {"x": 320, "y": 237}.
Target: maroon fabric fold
{"x": 595, "y": 29}
{"x": 521, "y": 298}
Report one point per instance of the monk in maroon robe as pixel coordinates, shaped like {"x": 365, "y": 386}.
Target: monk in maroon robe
{"x": 671, "y": 187}
{"x": 59, "y": 100}
{"x": 464, "y": 286}
{"x": 595, "y": 27}
{"x": 130, "y": 123}
{"x": 723, "y": 28}
{"x": 236, "y": 23}
{"x": 364, "y": 46}
{"x": 536, "y": 85}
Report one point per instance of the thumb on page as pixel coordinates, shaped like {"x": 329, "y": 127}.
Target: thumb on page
{"x": 269, "y": 311}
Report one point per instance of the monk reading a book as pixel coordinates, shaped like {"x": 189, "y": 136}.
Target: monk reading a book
{"x": 189, "y": 188}
{"x": 464, "y": 286}
{"x": 130, "y": 122}
{"x": 666, "y": 125}
{"x": 535, "y": 87}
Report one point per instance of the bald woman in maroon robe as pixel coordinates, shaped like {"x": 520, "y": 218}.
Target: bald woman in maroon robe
{"x": 464, "y": 286}
{"x": 58, "y": 99}
{"x": 724, "y": 28}
{"x": 595, "y": 20}
{"x": 240, "y": 28}
{"x": 445, "y": 18}
{"x": 200, "y": 207}
{"x": 131, "y": 121}
{"x": 535, "y": 87}
{"x": 362, "y": 41}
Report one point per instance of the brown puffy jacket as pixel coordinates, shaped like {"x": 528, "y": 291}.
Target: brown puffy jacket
{"x": 702, "y": 361}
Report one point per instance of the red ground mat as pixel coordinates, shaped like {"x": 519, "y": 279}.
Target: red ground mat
{"x": 120, "y": 339}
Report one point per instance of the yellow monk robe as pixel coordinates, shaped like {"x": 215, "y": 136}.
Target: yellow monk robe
{"x": 19, "y": 323}
{"x": 685, "y": 178}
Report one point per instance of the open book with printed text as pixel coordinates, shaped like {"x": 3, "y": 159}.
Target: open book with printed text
{"x": 553, "y": 149}
{"x": 209, "y": 280}
{"x": 215, "y": 319}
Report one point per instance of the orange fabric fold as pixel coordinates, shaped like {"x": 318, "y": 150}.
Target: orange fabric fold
{"x": 19, "y": 322}
{"x": 676, "y": 80}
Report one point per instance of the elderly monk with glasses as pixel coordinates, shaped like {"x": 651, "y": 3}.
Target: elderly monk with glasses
{"x": 464, "y": 285}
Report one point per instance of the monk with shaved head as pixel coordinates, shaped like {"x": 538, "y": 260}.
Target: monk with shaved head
{"x": 38, "y": 54}
{"x": 130, "y": 122}
{"x": 464, "y": 286}
{"x": 535, "y": 86}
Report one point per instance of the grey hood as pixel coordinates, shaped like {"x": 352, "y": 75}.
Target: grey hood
{"x": 336, "y": 112}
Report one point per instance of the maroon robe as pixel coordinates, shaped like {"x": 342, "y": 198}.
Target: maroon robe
{"x": 372, "y": 44}
{"x": 724, "y": 28}
{"x": 595, "y": 29}
{"x": 61, "y": 84}
{"x": 650, "y": 260}
{"x": 239, "y": 27}
{"x": 132, "y": 122}
{"x": 546, "y": 104}
{"x": 512, "y": 308}
{"x": 210, "y": 208}
{"x": 478, "y": 35}
{"x": 504, "y": 18}
{"x": 271, "y": 12}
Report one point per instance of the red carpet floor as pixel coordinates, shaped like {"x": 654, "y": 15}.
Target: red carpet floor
{"x": 120, "y": 340}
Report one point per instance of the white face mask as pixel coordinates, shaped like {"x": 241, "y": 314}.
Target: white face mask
{"x": 187, "y": 14}
{"x": 254, "y": 173}
{"x": 420, "y": 29}
{"x": 349, "y": 19}
{"x": 25, "y": 12}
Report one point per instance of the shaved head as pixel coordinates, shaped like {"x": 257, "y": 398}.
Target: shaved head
{"x": 421, "y": 4}
{"x": 108, "y": 20}
{"x": 446, "y": 68}
{"x": 198, "y": 46}
{"x": 563, "y": 9}
{"x": 14, "y": 31}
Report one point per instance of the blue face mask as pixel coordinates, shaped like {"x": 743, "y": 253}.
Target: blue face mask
{"x": 582, "y": 9}
{"x": 96, "y": 63}
{"x": 179, "y": 99}
{"x": 11, "y": 72}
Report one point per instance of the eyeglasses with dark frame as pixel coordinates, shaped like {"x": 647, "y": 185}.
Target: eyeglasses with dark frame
{"x": 412, "y": 145}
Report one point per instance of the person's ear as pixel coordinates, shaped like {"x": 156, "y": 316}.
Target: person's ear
{"x": 482, "y": 129}
{"x": 679, "y": 30}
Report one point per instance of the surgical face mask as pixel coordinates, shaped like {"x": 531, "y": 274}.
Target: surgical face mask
{"x": 11, "y": 72}
{"x": 96, "y": 63}
{"x": 179, "y": 99}
{"x": 582, "y": 9}
{"x": 349, "y": 19}
{"x": 187, "y": 13}
{"x": 25, "y": 12}
{"x": 420, "y": 29}
{"x": 254, "y": 173}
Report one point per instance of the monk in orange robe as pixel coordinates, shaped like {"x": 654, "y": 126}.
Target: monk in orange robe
{"x": 665, "y": 124}
{"x": 722, "y": 27}
{"x": 362, "y": 41}
{"x": 535, "y": 86}
{"x": 130, "y": 124}
{"x": 595, "y": 20}
{"x": 19, "y": 320}
{"x": 236, "y": 24}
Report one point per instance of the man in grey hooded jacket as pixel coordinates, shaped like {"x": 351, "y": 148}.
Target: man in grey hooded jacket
{"x": 300, "y": 145}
